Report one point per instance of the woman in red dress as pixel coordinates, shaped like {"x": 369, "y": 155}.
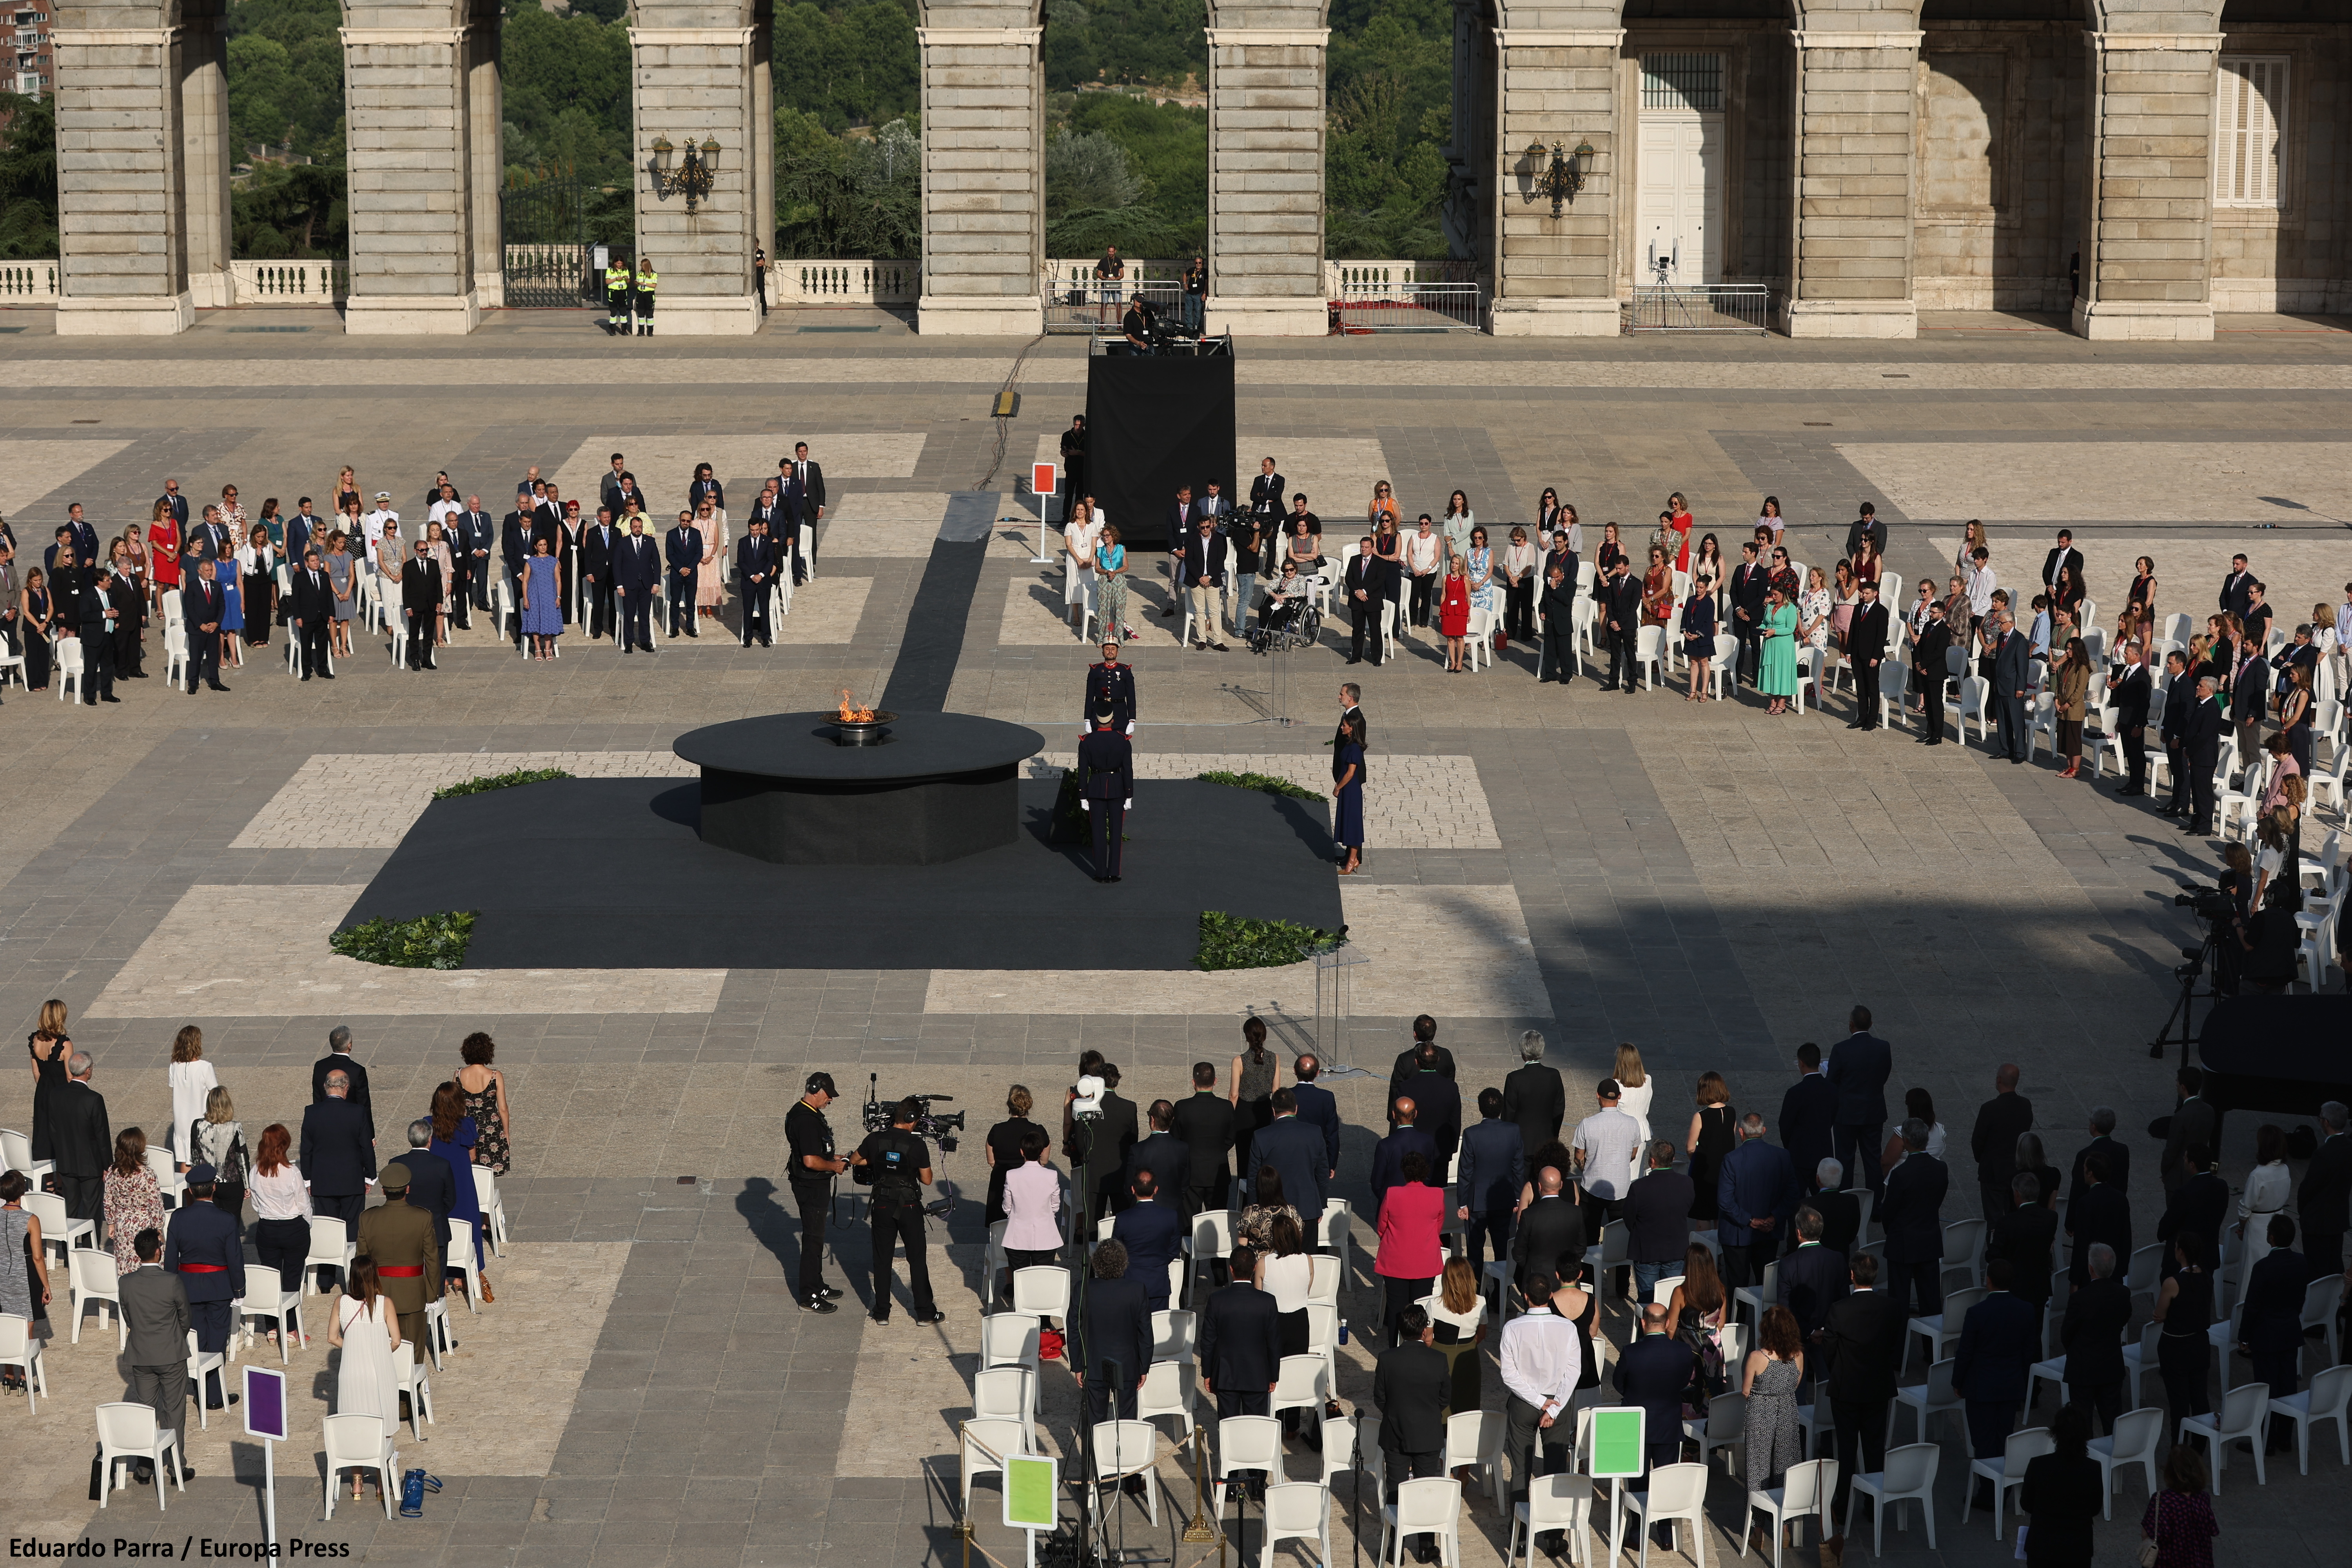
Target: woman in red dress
{"x": 1678, "y": 518}
{"x": 163, "y": 553}
{"x": 1453, "y": 613}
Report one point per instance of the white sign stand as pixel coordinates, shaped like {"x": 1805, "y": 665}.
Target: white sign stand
{"x": 1044, "y": 479}
{"x": 265, "y": 1418}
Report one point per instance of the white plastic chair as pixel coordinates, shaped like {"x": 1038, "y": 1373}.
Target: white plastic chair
{"x": 20, "y": 1350}
{"x": 1909, "y": 1476}
{"x": 1167, "y": 1391}
{"x": 1125, "y": 1447}
{"x": 1006, "y": 1394}
{"x": 1424, "y": 1506}
{"x": 1724, "y": 1424}
{"x": 1941, "y": 1329}
{"x": 57, "y": 1230}
{"x": 1975, "y": 695}
{"x": 1477, "y": 644}
{"x": 16, "y": 1155}
{"x": 494, "y": 1213}
{"x": 1804, "y": 1492}
{"x": 330, "y": 1247}
{"x": 1213, "y": 1237}
{"x": 359, "y": 1442}
{"x": 2139, "y": 1360}
{"x": 95, "y": 1279}
{"x": 1300, "y": 1509}
{"x": 2245, "y": 1410}
{"x": 415, "y": 1382}
{"x": 1474, "y": 1440}
{"x": 1751, "y": 1299}
{"x": 2327, "y": 1399}
{"x": 1172, "y": 1335}
{"x": 1649, "y": 655}
{"x": 1562, "y": 1502}
{"x": 1677, "y": 1493}
{"x": 166, "y": 1172}
{"x": 202, "y": 1364}
{"x": 459, "y": 1260}
{"x": 265, "y": 1298}
{"x": 986, "y": 1441}
{"x": 1300, "y": 1385}
{"x": 1718, "y": 669}
{"x": 1042, "y": 1290}
{"x": 1323, "y": 1280}
{"x": 128, "y": 1431}
{"x": 2009, "y": 1470}
{"x": 1353, "y": 1445}
{"x": 1964, "y": 1247}
{"x": 2133, "y": 1442}
{"x": 1010, "y": 1339}
{"x": 1323, "y": 1339}
{"x": 1932, "y": 1398}
{"x": 1244, "y": 1443}
{"x": 2320, "y": 1299}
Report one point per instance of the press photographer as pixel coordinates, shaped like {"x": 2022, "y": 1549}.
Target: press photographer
{"x": 896, "y": 1164}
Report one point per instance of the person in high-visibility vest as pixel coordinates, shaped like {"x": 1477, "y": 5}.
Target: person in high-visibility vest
{"x": 616, "y": 297}
{"x": 646, "y": 281}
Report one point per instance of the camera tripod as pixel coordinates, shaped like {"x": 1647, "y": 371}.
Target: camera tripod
{"x": 2201, "y": 960}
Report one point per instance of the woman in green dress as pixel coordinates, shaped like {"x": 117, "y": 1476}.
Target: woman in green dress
{"x": 1777, "y": 677}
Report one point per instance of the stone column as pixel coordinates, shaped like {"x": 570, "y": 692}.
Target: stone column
{"x": 1265, "y": 180}
{"x": 1555, "y": 276}
{"x": 2146, "y": 258}
{"x": 485, "y": 109}
{"x": 1849, "y": 266}
{"x": 763, "y": 145}
{"x": 409, "y": 118}
{"x": 692, "y": 85}
{"x": 205, "y": 151}
{"x": 983, "y": 175}
{"x": 121, "y": 221}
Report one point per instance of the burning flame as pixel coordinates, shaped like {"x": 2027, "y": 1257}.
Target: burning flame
{"x": 853, "y": 713}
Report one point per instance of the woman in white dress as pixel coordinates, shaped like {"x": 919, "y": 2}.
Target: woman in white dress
{"x": 2269, "y": 1185}
{"x": 1634, "y": 1088}
{"x": 710, "y": 583}
{"x": 1081, "y": 537}
{"x": 192, "y": 1080}
{"x": 369, "y": 1331}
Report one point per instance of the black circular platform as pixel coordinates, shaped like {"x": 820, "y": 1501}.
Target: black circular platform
{"x": 938, "y": 787}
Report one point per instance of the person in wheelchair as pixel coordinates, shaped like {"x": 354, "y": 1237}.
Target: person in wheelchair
{"x": 1289, "y": 606}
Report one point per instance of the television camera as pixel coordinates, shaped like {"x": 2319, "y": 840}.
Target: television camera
{"x": 940, "y": 1129}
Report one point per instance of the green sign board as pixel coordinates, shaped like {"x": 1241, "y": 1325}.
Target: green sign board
{"x": 1030, "y": 1495}
{"x": 1616, "y": 1442}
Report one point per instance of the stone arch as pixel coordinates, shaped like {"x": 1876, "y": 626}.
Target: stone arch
{"x": 983, "y": 107}
{"x": 1268, "y": 85}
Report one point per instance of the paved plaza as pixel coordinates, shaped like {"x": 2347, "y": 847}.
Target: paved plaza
{"x": 1710, "y": 883}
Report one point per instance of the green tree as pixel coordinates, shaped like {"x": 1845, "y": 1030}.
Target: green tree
{"x": 1144, "y": 41}
{"x": 1167, "y": 147}
{"x": 566, "y": 87}
{"x": 851, "y": 65}
{"x": 285, "y": 73}
{"x": 1391, "y": 115}
{"x": 28, "y": 177}
{"x": 286, "y": 211}
{"x": 843, "y": 196}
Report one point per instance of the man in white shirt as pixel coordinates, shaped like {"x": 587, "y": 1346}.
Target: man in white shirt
{"x": 1542, "y": 1360}
{"x": 1607, "y": 1148}
{"x": 1982, "y": 583}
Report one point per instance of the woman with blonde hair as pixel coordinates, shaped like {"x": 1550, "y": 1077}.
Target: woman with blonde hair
{"x": 1111, "y": 583}
{"x": 1964, "y": 560}
{"x": 346, "y": 491}
{"x": 1633, "y": 1086}
{"x": 1458, "y": 1312}
{"x": 192, "y": 1080}
{"x": 219, "y": 1141}
{"x": 48, "y": 1046}
{"x": 1081, "y": 533}
{"x": 1383, "y": 504}
{"x": 163, "y": 552}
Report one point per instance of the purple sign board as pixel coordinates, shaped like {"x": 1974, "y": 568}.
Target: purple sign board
{"x": 265, "y": 1402}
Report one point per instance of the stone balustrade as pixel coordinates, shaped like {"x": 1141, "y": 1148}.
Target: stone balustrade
{"x": 800, "y": 280}
{"x": 317, "y": 281}
{"x": 28, "y": 282}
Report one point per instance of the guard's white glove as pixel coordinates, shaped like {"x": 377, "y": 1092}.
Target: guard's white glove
{"x": 1130, "y": 726}
{"x": 1128, "y": 805}
{"x": 1085, "y": 804}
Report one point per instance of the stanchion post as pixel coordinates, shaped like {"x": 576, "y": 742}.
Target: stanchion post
{"x": 1197, "y": 1533}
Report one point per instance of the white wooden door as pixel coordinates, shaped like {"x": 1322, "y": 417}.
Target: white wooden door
{"x": 1679, "y": 198}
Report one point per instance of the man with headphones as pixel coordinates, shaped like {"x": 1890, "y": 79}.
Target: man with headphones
{"x": 809, "y": 1137}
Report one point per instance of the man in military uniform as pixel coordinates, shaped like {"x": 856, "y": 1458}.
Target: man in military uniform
{"x": 1111, "y": 685}
{"x": 616, "y": 298}
{"x": 203, "y": 1247}
{"x": 400, "y": 1238}
{"x": 648, "y": 280}
{"x": 755, "y": 569}
{"x": 1106, "y": 789}
{"x": 900, "y": 1162}
{"x": 808, "y": 1137}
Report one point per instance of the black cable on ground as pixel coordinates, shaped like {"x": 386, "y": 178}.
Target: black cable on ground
{"x": 1004, "y": 421}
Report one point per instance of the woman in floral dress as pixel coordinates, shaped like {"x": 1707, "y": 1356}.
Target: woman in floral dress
{"x": 485, "y": 1089}
{"x": 133, "y": 1201}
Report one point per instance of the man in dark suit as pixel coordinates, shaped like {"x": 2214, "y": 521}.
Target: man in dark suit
{"x": 2102, "y": 1146}
{"x": 637, "y": 571}
{"x": 1808, "y": 1117}
{"x": 597, "y": 544}
{"x": 807, "y": 479}
{"x": 1928, "y": 659}
{"x": 2200, "y": 747}
{"x": 1840, "y": 1211}
{"x": 1859, "y": 1346}
{"x": 479, "y": 531}
{"x": 1437, "y": 1098}
{"x": 1406, "y": 1137}
{"x": 1241, "y": 1348}
{"x": 1177, "y": 522}
{"x": 80, "y": 1140}
{"x": 1749, "y": 582}
{"x": 2128, "y": 691}
{"x": 2270, "y": 1329}
{"x": 2326, "y": 1192}
{"x": 1203, "y": 1120}
{"x": 433, "y": 1187}
{"x": 2237, "y": 589}
{"x": 1756, "y": 1199}
{"x": 2000, "y": 1338}
{"x": 2061, "y": 555}
{"x": 156, "y": 1319}
{"x": 1115, "y": 1136}
{"x": 1412, "y": 1386}
{"x": 769, "y": 509}
{"x": 1858, "y": 1069}
{"x": 338, "y": 1059}
{"x": 2199, "y": 1206}
{"x": 2012, "y": 688}
{"x": 2249, "y": 696}
{"x": 1534, "y": 1099}
{"x": 1866, "y": 525}
{"x": 1812, "y": 1280}
{"x": 2092, "y": 1337}
{"x": 311, "y": 611}
{"x": 1153, "y": 1234}
{"x": 1267, "y": 493}
{"x": 1114, "y": 1329}
{"x": 85, "y": 614}
{"x": 338, "y": 1152}
{"x": 2098, "y": 1213}
{"x": 1620, "y": 617}
{"x": 2001, "y": 1122}
{"x": 1318, "y": 1107}
{"x": 202, "y": 603}
{"x": 1493, "y": 1170}
{"x": 203, "y": 1247}
{"x": 1163, "y": 1153}
{"x": 1424, "y": 1055}
{"x": 615, "y": 483}
{"x": 84, "y": 538}
{"x": 2172, "y": 732}
{"x": 1297, "y": 1152}
{"x": 1653, "y": 1372}
{"x": 1361, "y": 590}
{"x": 1912, "y": 1213}
{"x": 1865, "y": 649}
{"x": 1550, "y": 1240}
{"x": 1556, "y": 604}
{"x": 682, "y": 561}
{"x": 2027, "y": 1234}
{"x": 127, "y": 600}
{"x": 177, "y": 504}
{"x": 2194, "y": 1122}
{"x": 1658, "y": 1219}
{"x": 514, "y": 547}
{"x": 420, "y": 604}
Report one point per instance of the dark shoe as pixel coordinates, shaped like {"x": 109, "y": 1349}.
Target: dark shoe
{"x": 1219, "y": 648}
{"x": 306, "y": 677}
{"x": 215, "y": 686}
{"x": 110, "y": 697}
{"x": 828, "y": 1293}
{"x": 878, "y": 1317}
{"x": 936, "y": 1317}
{"x": 818, "y": 1304}
{"x": 1353, "y": 660}
{"x": 326, "y": 674}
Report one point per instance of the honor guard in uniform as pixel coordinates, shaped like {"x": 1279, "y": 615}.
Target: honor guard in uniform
{"x": 1106, "y": 789}
{"x": 808, "y": 1140}
{"x": 401, "y": 1238}
{"x": 899, "y": 1163}
{"x": 203, "y": 1247}
{"x": 646, "y": 281}
{"x": 616, "y": 298}
{"x": 1111, "y": 685}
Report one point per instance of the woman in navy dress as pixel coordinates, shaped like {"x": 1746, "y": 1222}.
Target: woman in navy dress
{"x": 543, "y": 602}
{"x": 453, "y": 1140}
{"x": 1698, "y": 638}
{"x": 1348, "y": 791}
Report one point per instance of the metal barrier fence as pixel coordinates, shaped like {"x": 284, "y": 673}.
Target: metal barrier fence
{"x": 1701, "y": 308}
{"x": 1416, "y": 306}
{"x": 1090, "y": 307}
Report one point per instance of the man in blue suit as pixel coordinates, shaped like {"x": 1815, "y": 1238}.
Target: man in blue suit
{"x": 2000, "y": 1338}
{"x": 1913, "y": 1216}
{"x": 204, "y": 1248}
{"x": 2012, "y": 688}
{"x": 682, "y": 550}
{"x": 1407, "y": 1138}
{"x": 1859, "y": 1068}
{"x": 1653, "y": 1372}
{"x": 337, "y": 1152}
{"x": 432, "y": 1186}
{"x": 1755, "y": 1200}
{"x": 1116, "y": 1327}
{"x": 1318, "y": 1107}
{"x": 1807, "y": 1115}
{"x": 1494, "y": 1168}
{"x": 1164, "y": 1154}
{"x": 1296, "y": 1152}
{"x": 637, "y": 568}
{"x": 1813, "y": 1278}
{"x": 1153, "y": 1234}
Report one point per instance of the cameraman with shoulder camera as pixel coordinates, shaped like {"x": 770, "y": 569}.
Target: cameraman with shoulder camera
{"x": 897, "y": 1164}
{"x": 809, "y": 1138}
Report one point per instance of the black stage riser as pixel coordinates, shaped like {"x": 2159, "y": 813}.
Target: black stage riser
{"x": 1153, "y": 424}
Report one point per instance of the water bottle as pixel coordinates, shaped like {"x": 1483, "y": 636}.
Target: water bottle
{"x": 1343, "y": 1330}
